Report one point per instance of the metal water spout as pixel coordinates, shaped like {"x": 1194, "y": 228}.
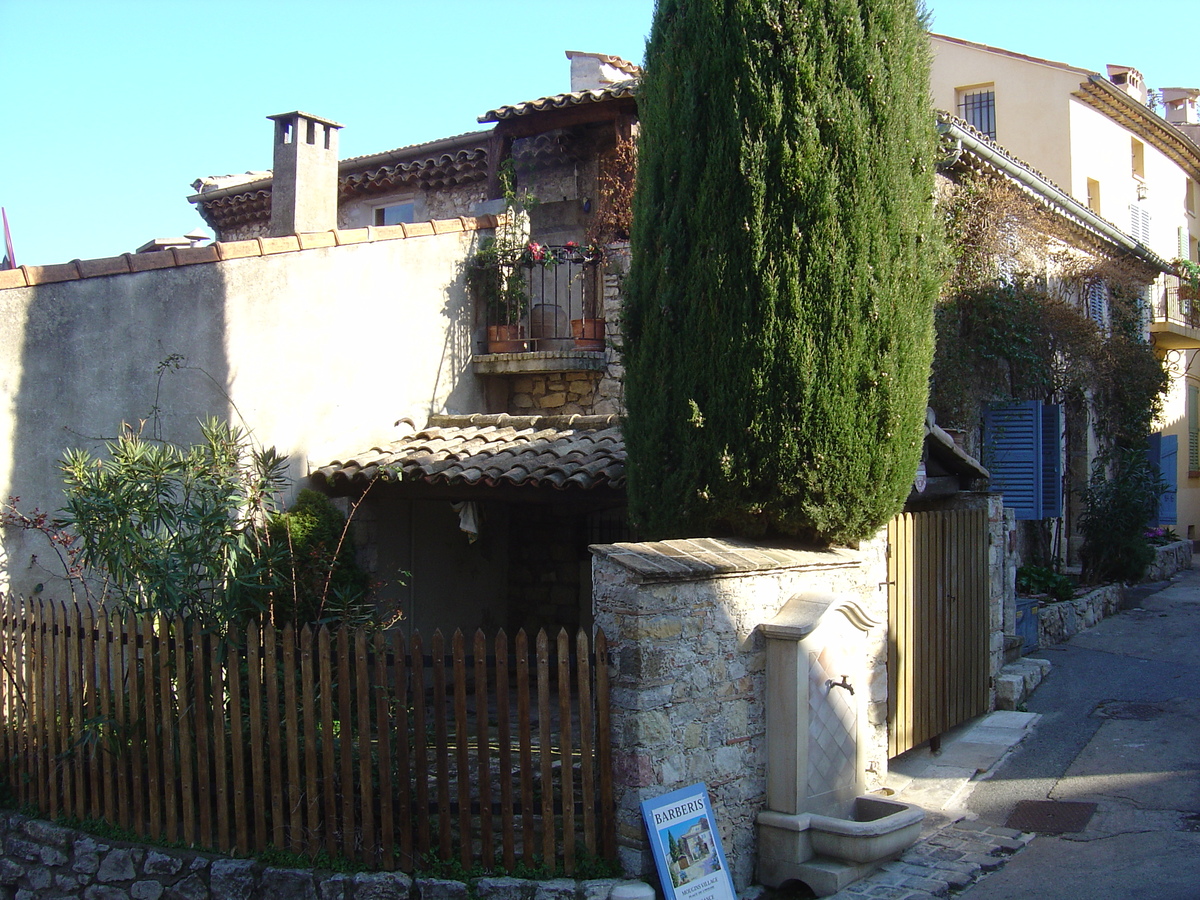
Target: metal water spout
{"x": 844, "y": 683}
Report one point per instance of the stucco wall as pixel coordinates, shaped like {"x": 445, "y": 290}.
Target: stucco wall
{"x": 1032, "y": 97}
{"x": 689, "y": 672}
{"x": 317, "y": 351}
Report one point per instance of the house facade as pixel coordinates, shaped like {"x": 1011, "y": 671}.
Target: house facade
{"x": 1099, "y": 138}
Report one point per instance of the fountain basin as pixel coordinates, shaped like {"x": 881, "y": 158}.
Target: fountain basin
{"x": 876, "y": 829}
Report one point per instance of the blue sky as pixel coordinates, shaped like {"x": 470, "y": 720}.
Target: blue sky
{"x": 115, "y": 106}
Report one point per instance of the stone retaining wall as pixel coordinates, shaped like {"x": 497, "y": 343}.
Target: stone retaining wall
{"x": 1059, "y": 622}
{"x": 1168, "y": 560}
{"x": 44, "y": 861}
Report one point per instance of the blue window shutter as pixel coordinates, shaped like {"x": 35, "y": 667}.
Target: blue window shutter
{"x": 1168, "y": 465}
{"x": 1012, "y": 452}
{"x": 1154, "y": 457}
{"x": 1051, "y": 474}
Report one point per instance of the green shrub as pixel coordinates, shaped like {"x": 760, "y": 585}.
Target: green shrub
{"x": 194, "y": 531}
{"x": 778, "y": 320}
{"x": 1041, "y": 580}
{"x": 314, "y": 570}
{"x": 1120, "y": 500}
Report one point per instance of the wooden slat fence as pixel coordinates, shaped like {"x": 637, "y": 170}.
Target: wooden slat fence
{"x": 363, "y": 745}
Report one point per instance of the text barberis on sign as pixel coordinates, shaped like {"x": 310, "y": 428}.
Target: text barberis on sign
{"x": 687, "y": 846}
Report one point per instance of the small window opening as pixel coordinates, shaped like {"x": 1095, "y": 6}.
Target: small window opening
{"x": 312, "y": 131}
{"x": 285, "y": 132}
{"x": 978, "y": 109}
{"x": 1138, "y": 151}
{"x": 1093, "y": 195}
{"x": 399, "y": 213}
{"x": 328, "y": 137}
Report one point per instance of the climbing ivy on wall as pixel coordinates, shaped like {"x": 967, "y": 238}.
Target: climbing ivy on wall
{"x": 1026, "y": 337}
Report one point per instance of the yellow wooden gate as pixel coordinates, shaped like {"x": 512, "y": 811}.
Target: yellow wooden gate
{"x": 937, "y": 623}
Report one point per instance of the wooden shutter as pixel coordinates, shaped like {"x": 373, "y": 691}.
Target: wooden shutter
{"x": 1021, "y": 449}
{"x": 1051, "y": 473}
{"x": 1193, "y": 424}
{"x": 1168, "y": 465}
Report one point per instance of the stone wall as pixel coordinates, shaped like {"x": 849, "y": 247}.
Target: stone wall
{"x": 1168, "y": 560}
{"x": 43, "y": 861}
{"x": 582, "y": 393}
{"x": 689, "y": 672}
{"x": 1059, "y": 622}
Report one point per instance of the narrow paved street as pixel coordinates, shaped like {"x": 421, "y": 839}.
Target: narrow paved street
{"x": 1120, "y": 728}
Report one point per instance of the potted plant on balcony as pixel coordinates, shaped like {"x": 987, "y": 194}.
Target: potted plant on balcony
{"x": 1188, "y": 273}
{"x": 497, "y": 279}
{"x": 588, "y": 331}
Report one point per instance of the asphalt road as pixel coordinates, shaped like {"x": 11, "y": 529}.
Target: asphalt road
{"x": 1120, "y": 728}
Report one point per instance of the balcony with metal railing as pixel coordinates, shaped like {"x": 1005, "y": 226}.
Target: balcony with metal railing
{"x": 544, "y": 310}
{"x": 1175, "y": 318}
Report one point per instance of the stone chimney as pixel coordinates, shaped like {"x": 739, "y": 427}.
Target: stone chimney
{"x": 304, "y": 180}
{"x": 596, "y": 71}
{"x": 1179, "y": 105}
{"x": 1130, "y": 81}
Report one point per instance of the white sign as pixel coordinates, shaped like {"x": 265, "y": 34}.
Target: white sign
{"x": 687, "y": 847}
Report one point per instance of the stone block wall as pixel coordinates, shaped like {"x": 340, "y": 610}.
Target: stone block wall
{"x": 1168, "y": 560}
{"x": 1059, "y": 622}
{"x": 597, "y": 393}
{"x": 688, "y": 669}
{"x": 44, "y": 861}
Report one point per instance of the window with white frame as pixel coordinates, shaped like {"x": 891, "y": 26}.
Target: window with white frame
{"x": 1138, "y": 154}
{"x": 977, "y": 107}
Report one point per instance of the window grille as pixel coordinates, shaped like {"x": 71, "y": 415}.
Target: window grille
{"x": 978, "y": 109}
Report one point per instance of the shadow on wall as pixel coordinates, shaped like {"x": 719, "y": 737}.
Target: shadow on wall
{"x": 88, "y": 360}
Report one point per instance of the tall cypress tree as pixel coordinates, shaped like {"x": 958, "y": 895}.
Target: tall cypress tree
{"x": 785, "y": 262}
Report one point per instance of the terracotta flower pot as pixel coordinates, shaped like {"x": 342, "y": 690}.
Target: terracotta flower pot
{"x": 588, "y": 334}
{"x": 505, "y": 339}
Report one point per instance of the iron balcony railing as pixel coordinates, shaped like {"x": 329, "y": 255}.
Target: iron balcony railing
{"x": 547, "y": 297}
{"x": 1178, "y": 306}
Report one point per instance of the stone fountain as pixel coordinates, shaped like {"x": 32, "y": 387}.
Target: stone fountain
{"x": 820, "y": 827}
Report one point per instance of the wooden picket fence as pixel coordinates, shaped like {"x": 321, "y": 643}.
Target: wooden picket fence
{"x": 364, "y": 745}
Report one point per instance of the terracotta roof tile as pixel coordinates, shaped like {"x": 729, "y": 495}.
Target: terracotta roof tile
{"x": 147, "y": 262}
{"x": 563, "y": 452}
{"x": 29, "y": 276}
{"x": 238, "y": 249}
{"x": 111, "y": 265}
{"x": 189, "y": 256}
{"x": 272, "y": 245}
{"x": 616, "y": 91}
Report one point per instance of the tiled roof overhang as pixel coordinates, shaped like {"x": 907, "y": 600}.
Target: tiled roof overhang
{"x": 622, "y": 90}
{"x": 966, "y": 148}
{"x": 462, "y": 159}
{"x": 489, "y": 451}
{"x": 1099, "y": 93}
